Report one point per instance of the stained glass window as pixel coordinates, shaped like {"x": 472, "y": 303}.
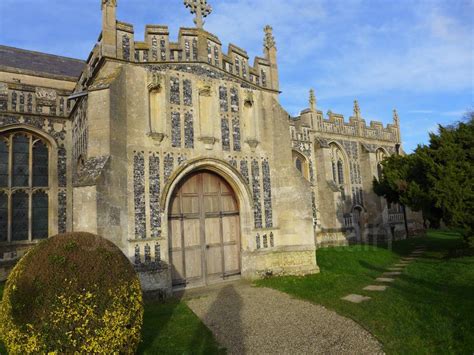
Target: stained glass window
{"x": 40, "y": 164}
{"x": 24, "y": 185}
{"x": 3, "y": 217}
{"x": 40, "y": 215}
{"x": 3, "y": 163}
{"x": 20, "y": 216}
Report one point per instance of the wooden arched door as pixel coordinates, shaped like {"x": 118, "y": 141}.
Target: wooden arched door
{"x": 204, "y": 231}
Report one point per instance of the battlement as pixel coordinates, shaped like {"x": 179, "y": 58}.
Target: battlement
{"x": 194, "y": 45}
{"x": 314, "y": 120}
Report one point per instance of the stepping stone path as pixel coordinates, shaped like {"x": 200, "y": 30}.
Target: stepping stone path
{"x": 393, "y": 271}
{"x": 356, "y": 298}
{"x": 384, "y": 279}
{"x": 375, "y": 288}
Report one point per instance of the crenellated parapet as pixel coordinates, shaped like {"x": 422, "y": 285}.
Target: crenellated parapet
{"x": 314, "y": 120}
{"x": 194, "y": 45}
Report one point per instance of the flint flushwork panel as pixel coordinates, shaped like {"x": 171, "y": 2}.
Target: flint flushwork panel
{"x": 224, "y": 105}
{"x": 188, "y": 130}
{"x": 236, "y": 133}
{"x": 62, "y": 167}
{"x": 267, "y": 194}
{"x": 174, "y": 91}
{"x": 169, "y": 166}
{"x": 187, "y": 92}
{"x": 139, "y": 194}
{"x": 155, "y": 191}
{"x": 257, "y": 213}
{"x": 234, "y": 100}
{"x": 154, "y": 48}
{"x": 225, "y": 132}
{"x": 126, "y": 47}
{"x": 244, "y": 170}
{"x": 176, "y": 129}
{"x": 62, "y": 211}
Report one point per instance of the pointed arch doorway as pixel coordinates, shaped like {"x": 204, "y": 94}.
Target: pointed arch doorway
{"x": 204, "y": 231}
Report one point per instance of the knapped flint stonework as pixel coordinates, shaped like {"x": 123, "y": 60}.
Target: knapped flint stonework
{"x": 225, "y": 133}
{"x": 176, "y": 129}
{"x": 188, "y": 130}
{"x": 133, "y": 145}
{"x": 174, "y": 91}
{"x": 62, "y": 211}
{"x": 267, "y": 194}
{"x": 169, "y": 166}
{"x": 224, "y": 105}
{"x": 236, "y": 134}
{"x": 62, "y": 167}
{"x": 139, "y": 194}
{"x": 257, "y": 208}
{"x": 187, "y": 93}
{"x": 155, "y": 193}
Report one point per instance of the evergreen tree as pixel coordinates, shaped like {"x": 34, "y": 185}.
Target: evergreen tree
{"x": 437, "y": 179}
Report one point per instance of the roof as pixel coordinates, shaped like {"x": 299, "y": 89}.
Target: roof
{"x": 40, "y": 63}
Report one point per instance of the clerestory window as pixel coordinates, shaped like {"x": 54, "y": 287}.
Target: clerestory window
{"x": 24, "y": 187}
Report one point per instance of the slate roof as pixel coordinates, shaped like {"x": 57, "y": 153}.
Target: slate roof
{"x": 41, "y": 63}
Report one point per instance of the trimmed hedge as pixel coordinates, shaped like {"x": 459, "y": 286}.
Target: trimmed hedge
{"x": 73, "y": 292}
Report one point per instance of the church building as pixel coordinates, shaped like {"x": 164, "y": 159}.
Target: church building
{"x": 181, "y": 154}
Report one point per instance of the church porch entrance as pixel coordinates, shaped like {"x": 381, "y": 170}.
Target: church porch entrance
{"x": 204, "y": 231}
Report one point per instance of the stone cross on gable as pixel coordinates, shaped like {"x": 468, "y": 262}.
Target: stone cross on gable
{"x": 200, "y": 8}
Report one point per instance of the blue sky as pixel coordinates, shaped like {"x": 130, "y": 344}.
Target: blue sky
{"x": 415, "y": 55}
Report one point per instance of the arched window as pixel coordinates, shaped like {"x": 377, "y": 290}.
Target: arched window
{"x": 299, "y": 165}
{"x": 340, "y": 172}
{"x": 337, "y": 161}
{"x": 24, "y": 187}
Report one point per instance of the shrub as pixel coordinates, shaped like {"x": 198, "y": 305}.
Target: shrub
{"x": 71, "y": 293}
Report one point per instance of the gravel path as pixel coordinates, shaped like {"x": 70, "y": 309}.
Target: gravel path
{"x": 251, "y": 320}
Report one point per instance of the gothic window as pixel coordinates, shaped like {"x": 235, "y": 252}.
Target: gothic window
{"x": 340, "y": 172}
{"x": 299, "y": 165}
{"x": 24, "y": 187}
{"x": 338, "y": 168}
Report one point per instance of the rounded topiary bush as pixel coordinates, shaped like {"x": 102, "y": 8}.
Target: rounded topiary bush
{"x": 74, "y": 292}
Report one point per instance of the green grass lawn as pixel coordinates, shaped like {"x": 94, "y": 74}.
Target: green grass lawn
{"x": 429, "y": 309}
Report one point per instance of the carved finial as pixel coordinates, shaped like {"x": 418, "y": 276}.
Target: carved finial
{"x": 269, "y": 39}
{"x": 396, "y": 119}
{"x": 200, "y": 8}
{"x": 312, "y": 100}
{"x": 109, "y": 3}
{"x": 356, "y": 109}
